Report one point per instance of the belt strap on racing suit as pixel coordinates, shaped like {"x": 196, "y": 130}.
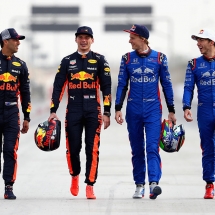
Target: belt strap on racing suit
{"x": 10, "y": 103}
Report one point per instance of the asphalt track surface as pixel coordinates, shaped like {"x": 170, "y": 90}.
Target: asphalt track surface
{"x": 43, "y": 180}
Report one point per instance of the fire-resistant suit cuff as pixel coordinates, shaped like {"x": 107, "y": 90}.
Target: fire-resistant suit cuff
{"x": 106, "y": 108}
{"x": 53, "y": 110}
{"x": 27, "y": 115}
{"x": 171, "y": 108}
{"x": 186, "y": 107}
{"x": 118, "y": 107}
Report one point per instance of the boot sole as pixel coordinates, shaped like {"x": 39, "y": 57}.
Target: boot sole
{"x": 137, "y": 197}
{"x": 156, "y": 191}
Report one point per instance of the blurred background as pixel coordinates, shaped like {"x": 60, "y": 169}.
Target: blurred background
{"x": 49, "y": 27}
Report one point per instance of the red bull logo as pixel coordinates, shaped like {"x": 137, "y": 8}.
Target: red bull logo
{"x": 133, "y": 28}
{"x": 29, "y": 108}
{"x": 82, "y": 76}
{"x": 201, "y": 31}
{"x": 52, "y": 104}
{"x": 107, "y": 100}
{"x": 7, "y": 77}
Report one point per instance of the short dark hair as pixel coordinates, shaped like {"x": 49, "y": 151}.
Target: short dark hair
{"x": 2, "y": 44}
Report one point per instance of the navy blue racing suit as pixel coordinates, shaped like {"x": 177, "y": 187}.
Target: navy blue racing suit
{"x": 14, "y": 83}
{"x": 83, "y": 76}
{"x": 201, "y": 72}
{"x": 144, "y": 110}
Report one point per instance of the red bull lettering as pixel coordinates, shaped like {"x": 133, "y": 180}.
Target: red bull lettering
{"x": 75, "y": 86}
{"x": 48, "y": 135}
{"x": 89, "y": 86}
{"x": 83, "y": 85}
{"x": 10, "y": 87}
{"x": 2, "y": 87}
{"x": 98, "y": 130}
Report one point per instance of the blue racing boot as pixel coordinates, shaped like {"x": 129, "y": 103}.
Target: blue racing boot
{"x": 9, "y": 192}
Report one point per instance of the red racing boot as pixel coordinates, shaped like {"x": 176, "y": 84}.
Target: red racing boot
{"x": 75, "y": 185}
{"x": 89, "y": 192}
{"x": 209, "y": 193}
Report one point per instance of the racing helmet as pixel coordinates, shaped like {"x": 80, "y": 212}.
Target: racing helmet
{"x": 47, "y": 135}
{"x": 172, "y": 137}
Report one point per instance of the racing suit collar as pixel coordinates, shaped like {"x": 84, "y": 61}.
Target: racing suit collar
{"x": 209, "y": 59}
{"x": 144, "y": 54}
{"x": 5, "y": 57}
{"x": 84, "y": 55}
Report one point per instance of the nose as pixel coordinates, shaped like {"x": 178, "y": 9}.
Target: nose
{"x": 83, "y": 39}
{"x": 198, "y": 41}
{"x": 18, "y": 41}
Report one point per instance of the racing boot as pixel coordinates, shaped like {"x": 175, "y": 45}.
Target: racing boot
{"x": 9, "y": 192}
{"x": 74, "y": 189}
{"x": 155, "y": 190}
{"x": 209, "y": 191}
{"x": 89, "y": 192}
{"x": 139, "y": 192}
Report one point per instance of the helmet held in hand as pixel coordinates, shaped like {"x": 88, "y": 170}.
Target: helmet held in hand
{"x": 172, "y": 137}
{"x": 47, "y": 135}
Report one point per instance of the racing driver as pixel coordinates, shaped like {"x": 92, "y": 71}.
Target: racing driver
{"x": 201, "y": 72}
{"x": 83, "y": 73}
{"x": 143, "y": 68}
{"x": 14, "y": 84}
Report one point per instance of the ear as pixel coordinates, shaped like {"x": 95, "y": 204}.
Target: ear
{"x": 143, "y": 39}
{"x": 5, "y": 41}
